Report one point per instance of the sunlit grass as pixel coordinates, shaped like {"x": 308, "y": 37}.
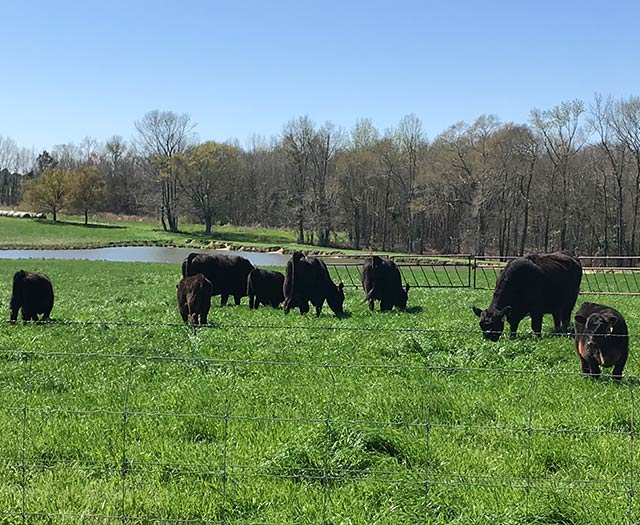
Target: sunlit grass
{"x": 267, "y": 418}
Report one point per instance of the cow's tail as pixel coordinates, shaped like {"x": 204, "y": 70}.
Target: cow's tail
{"x": 186, "y": 264}
{"x": 369, "y": 295}
{"x": 249, "y": 284}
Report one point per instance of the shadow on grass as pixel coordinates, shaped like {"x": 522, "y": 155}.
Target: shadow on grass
{"x": 82, "y": 225}
{"x": 417, "y": 309}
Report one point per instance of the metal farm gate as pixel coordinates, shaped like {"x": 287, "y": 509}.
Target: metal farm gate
{"x": 601, "y": 275}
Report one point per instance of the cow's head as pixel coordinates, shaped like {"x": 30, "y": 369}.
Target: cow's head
{"x": 492, "y": 321}
{"x": 596, "y": 329}
{"x": 16, "y": 294}
{"x": 335, "y": 298}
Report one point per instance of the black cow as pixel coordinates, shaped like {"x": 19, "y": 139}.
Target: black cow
{"x": 307, "y": 280}
{"x": 227, "y": 273}
{"x": 266, "y": 287}
{"x": 602, "y": 339}
{"x": 381, "y": 280}
{"x": 533, "y": 285}
{"x": 194, "y": 298}
{"x": 33, "y": 292}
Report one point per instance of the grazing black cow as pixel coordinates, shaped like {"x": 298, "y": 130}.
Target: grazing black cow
{"x": 307, "y": 280}
{"x": 227, "y": 273}
{"x": 602, "y": 339}
{"x": 266, "y": 287}
{"x": 194, "y": 298}
{"x": 33, "y": 292}
{"x": 533, "y": 285}
{"x": 381, "y": 280}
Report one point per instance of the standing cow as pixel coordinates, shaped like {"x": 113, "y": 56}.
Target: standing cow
{"x": 381, "y": 280}
{"x": 307, "y": 280}
{"x": 194, "y": 298}
{"x": 266, "y": 287}
{"x": 33, "y": 292}
{"x": 228, "y": 273}
{"x": 533, "y": 285}
{"x": 602, "y": 339}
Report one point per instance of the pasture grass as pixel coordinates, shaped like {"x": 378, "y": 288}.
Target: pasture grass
{"x": 265, "y": 418}
{"x": 70, "y": 232}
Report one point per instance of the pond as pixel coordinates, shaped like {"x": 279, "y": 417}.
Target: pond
{"x": 141, "y": 254}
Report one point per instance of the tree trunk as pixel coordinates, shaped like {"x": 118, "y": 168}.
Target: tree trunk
{"x": 86, "y": 216}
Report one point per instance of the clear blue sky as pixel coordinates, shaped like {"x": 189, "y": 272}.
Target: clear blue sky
{"x": 71, "y": 69}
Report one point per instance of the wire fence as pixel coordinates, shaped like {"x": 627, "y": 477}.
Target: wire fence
{"x": 601, "y": 275}
{"x": 96, "y": 437}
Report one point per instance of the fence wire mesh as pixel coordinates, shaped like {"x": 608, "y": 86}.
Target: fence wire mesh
{"x": 90, "y": 436}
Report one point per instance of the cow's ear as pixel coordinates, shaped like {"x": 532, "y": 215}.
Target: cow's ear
{"x": 476, "y": 311}
{"x": 340, "y": 286}
{"x": 580, "y": 319}
{"x": 611, "y": 322}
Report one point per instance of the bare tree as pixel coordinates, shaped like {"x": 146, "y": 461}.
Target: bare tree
{"x": 563, "y": 137}
{"x": 202, "y": 174}
{"x": 602, "y": 120}
{"x": 322, "y": 148}
{"x": 296, "y": 137}
{"x": 161, "y": 136}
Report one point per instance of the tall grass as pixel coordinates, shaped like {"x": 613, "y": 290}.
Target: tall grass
{"x": 266, "y": 418}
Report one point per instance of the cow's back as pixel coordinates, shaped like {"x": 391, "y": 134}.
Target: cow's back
{"x": 227, "y": 273}
{"x": 518, "y": 285}
{"x": 562, "y": 275}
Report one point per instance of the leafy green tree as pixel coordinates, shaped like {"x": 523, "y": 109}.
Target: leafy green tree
{"x": 47, "y": 193}
{"x": 86, "y": 190}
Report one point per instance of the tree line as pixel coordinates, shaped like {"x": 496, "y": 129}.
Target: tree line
{"x": 569, "y": 178}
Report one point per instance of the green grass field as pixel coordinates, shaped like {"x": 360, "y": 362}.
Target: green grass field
{"x": 70, "y": 232}
{"x": 266, "y": 418}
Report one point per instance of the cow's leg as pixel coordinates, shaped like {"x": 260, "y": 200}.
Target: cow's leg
{"x": 304, "y": 307}
{"x": 237, "y": 298}
{"x": 185, "y": 315}
{"x": 557, "y": 322}
{"x": 26, "y": 314}
{"x": 584, "y": 366}
{"x": 536, "y": 323}
{"x": 34, "y": 317}
{"x": 224, "y": 297}
{"x": 385, "y": 306}
{"x": 371, "y": 304}
{"x": 46, "y": 316}
{"x": 594, "y": 368}
{"x": 251, "y": 297}
{"x": 205, "y": 314}
{"x": 617, "y": 369}
{"x": 566, "y": 320}
{"x": 514, "y": 322}
{"x": 319, "y": 308}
